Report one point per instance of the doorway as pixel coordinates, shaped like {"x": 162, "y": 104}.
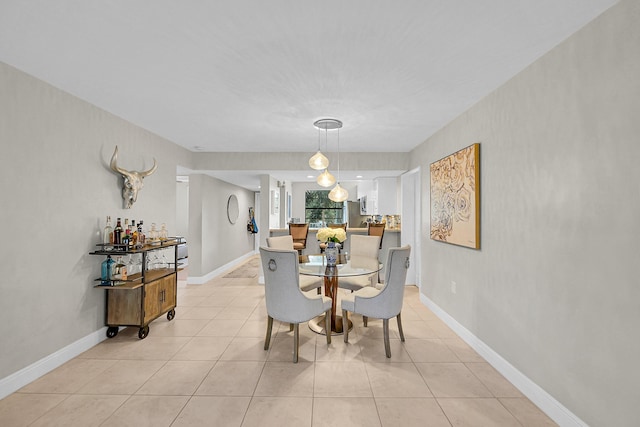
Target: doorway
{"x": 410, "y": 211}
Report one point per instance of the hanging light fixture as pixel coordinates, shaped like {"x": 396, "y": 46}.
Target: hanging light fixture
{"x": 337, "y": 194}
{"x": 319, "y": 161}
{"x": 325, "y": 179}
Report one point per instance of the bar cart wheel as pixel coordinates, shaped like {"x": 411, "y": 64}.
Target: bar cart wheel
{"x": 112, "y": 331}
{"x": 171, "y": 314}
{"x": 143, "y": 332}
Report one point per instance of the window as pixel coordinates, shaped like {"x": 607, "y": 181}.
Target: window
{"x": 319, "y": 210}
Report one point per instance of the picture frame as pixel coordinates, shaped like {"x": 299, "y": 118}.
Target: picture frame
{"x": 455, "y": 198}
{"x": 275, "y": 202}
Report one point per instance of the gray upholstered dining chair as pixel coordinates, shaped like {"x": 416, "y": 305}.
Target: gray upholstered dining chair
{"x": 363, "y": 253}
{"x": 383, "y": 303}
{"x": 285, "y": 301}
{"x": 307, "y": 283}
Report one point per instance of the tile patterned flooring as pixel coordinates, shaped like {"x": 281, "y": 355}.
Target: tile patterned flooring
{"x": 207, "y": 367}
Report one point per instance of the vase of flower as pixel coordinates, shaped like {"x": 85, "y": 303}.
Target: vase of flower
{"x": 333, "y": 237}
{"x": 331, "y": 252}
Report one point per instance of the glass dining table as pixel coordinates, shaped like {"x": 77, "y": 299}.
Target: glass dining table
{"x": 316, "y": 265}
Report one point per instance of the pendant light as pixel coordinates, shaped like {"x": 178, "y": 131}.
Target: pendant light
{"x": 319, "y": 161}
{"x": 338, "y": 194}
{"x": 325, "y": 179}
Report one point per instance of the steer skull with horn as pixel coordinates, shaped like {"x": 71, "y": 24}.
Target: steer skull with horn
{"x": 132, "y": 180}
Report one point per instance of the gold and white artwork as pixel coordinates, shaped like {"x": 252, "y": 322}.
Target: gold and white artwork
{"x": 455, "y": 198}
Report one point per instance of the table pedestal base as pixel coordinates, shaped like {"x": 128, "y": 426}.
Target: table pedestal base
{"x": 317, "y": 325}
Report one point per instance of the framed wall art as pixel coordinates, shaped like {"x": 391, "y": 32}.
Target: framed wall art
{"x": 455, "y": 198}
{"x": 275, "y": 201}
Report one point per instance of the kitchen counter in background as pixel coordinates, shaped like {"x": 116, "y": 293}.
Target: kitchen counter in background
{"x": 391, "y": 239}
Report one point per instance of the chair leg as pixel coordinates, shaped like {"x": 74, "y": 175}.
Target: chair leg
{"x": 296, "y": 342}
{"x": 385, "y": 329}
{"x": 290, "y": 327}
{"x": 400, "y": 327}
{"x": 364, "y": 320}
{"x": 345, "y": 325}
{"x": 267, "y": 339}
{"x": 327, "y": 325}
{"x": 319, "y": 291}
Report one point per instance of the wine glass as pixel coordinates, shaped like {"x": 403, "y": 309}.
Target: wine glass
{"x": 163, "y": 261}
{"x": 137, "y": 263}
{"x": 152, "y": 260}
{"x": 131, "y": 264}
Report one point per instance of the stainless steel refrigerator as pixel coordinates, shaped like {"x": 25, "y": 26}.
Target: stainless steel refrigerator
{"x": 354, "y": 219}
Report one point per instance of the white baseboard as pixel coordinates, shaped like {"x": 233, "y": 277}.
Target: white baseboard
{"x": 199, "y": 280}
{"x": 19, "y": 379}
{"x": 26, "y": 375}
{"x": 547, "y": 403}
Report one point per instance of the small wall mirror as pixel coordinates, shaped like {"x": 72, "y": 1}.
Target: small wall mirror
{"x": 233, "y": 210}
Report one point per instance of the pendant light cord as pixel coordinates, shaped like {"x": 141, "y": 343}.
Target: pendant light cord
{"x": 338, "y": 155}
{"x": 326, "y": 140}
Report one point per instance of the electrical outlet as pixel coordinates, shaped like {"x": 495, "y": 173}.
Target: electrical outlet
{"x": 453, "y": 287}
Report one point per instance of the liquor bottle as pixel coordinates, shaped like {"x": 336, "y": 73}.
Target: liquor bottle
{"x": 163, "y": 232}
{"x": 141, "y": 236}
{"x": 131, "y": 232}
{"x": 107, "y": 233}
{"x": 153, "y": 233}
{"x": 107, "y": 271}
{"x": 125, "y": 233}
{"x": 134, "y": 235}
{"x": 117, "y": 233}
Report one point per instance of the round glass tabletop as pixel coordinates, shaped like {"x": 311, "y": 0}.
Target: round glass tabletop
{"x": 316, "y": 265}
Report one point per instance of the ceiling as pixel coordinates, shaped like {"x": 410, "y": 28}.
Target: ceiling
{"x": 253, "y": 75}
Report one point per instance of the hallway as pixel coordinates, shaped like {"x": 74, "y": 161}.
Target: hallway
{"x": 208, "y": 367}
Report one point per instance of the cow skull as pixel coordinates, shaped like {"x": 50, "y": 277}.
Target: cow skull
{"x": 132, "y": 180}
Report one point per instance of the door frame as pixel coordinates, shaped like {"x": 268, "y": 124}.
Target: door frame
{"x": 410, "y": 233}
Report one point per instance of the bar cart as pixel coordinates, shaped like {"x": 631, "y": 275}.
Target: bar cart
{"x": 145, "y": 295}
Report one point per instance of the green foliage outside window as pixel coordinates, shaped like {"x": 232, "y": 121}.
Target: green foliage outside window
{"x": 319, "y": 210}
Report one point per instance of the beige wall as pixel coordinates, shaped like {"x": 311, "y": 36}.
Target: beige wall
{"x": 56, "y": 189}
{"x": 554, "y": 289}
{"x": 213, "y": 241}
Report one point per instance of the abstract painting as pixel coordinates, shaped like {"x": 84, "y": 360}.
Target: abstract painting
{"x": 455, "y": 198}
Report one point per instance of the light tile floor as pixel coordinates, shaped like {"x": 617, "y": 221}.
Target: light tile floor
{"x": 207, "y": 367}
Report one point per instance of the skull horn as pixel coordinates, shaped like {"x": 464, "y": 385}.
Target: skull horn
{"x": 115, "y": 168}
{"x": 114, "y": 164}
{"x": 150, "y": 171}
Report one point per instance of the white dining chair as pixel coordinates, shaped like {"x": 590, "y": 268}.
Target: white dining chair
{"x": 284, "y": 299}
{"x": 307, "y": 283}
{"x": 363, "y": 252}
{"x": 383, "y": 303}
